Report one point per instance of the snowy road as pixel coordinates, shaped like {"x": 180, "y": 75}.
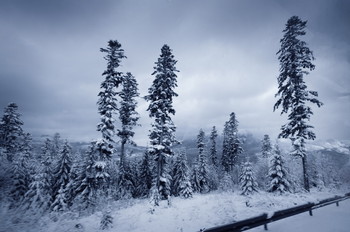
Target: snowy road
{"x": 326, "y": 219}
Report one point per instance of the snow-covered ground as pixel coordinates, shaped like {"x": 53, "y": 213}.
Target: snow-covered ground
{"x": 202, "y": 211}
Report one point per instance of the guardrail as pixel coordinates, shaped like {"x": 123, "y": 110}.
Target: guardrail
{"x": 264, "y": 219}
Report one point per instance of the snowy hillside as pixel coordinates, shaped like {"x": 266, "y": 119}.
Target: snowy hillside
{"x": 339, "y": 146}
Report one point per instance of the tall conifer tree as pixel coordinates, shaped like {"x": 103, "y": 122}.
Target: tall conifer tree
{"x": 128, "y": 118}
{"x": 127, "y": 111}
{"x": 107, "y": 107}
{"x": 295, "y": 62}
{"x": 231, "y": 144}
{"x": 213, "y": 150}
{"x": 160, "y": 95}
{"x": 203, "y": 172}
{"x": 266, "y": 147}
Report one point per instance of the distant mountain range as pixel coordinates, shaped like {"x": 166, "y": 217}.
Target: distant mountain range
{"x": 251, "y": 145}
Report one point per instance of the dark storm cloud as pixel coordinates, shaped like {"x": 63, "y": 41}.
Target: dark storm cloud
{"x": 51, "y": 66}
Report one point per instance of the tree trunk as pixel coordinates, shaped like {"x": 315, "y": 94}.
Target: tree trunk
{"x": 159, "y": 170}
{"x": 122, "y": 154}
{"x": 305, "y": 175}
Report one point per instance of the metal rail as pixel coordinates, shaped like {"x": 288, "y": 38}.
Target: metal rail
{"x": 278, "y": 215}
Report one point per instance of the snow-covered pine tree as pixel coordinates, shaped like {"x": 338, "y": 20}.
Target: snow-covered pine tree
{"x": 225, "y": 148}
{"x": 324, "y": 169}
{"x": 160, "y": 95}
{"x": 319, "y": 182}
{"x": 47, "y": 170}
{"x": 203, "y": 172}
{"x": 46, "y": 149}
{"x": 74, "y": 181}
{"x": 60, "y": 201}
{"x": 56, "y": 145}
{"x": 20, "y": 184}
{"x": 145, "y": 182}
{"x": 213, "y": 175}
{"x": 21, "y": 171}
{"x": 266, "y": 147}
{"x": 194, "y": 177}
{"x": 226, "y": 183}
{"x": 107, "y": 107}
{"x": 277, "y": 173}
{"x": 134, "y": 172}
{"x": 26, "y": 155}
{"x": 106, "y": 221}
{"x": 86, "y": 182}
{"x": 295, "y": 61}
{"x": 127, "y": 112}
{"x": 128, "y": 117}
{"x": 181, "y": 184}
{"x": 61, "y": 175}
{"x": 200, "y": 142}
{"x": 186, "y": 188}
{"x": 213, "y": 166}
{"x": 247, "y": 181}
{"x": 231, "y": 144}
{"x": 213, "y": 151}
{"x": 262, "y": 166}
{"x": 38, "y": 197}
{"x": 11, "y": 131}
{"x": 125, "y": 182}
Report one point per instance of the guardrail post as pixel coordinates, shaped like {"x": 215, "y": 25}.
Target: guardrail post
{"x": 310, "y": 212}
{"x": 337, "y": 203}
{"x": 265, "y": 227}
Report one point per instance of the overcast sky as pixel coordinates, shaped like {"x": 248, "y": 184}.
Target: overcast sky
{"x": 51, "y": 66}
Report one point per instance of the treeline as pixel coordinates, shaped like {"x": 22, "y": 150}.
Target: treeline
{"x": 56, "y": 179}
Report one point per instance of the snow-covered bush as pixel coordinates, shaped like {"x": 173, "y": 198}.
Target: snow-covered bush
{"x": 106, "y": 221}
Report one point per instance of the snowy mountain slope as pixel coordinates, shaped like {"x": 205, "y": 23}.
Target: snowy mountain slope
{"x": 339, "y": 146}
